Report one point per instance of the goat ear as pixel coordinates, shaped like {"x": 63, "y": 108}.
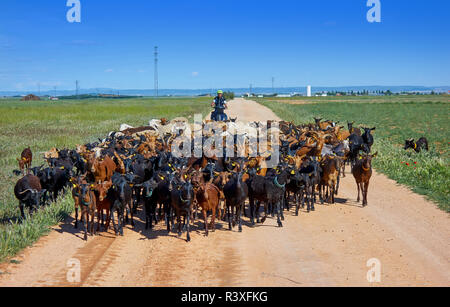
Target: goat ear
{"x": 374, "y": 128}
{"x": 375, "y": 154}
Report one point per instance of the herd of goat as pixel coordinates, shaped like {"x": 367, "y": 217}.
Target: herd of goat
{"x": 135, "y": 167}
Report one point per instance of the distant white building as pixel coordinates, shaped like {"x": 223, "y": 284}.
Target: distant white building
{"x": 308, "y": 91}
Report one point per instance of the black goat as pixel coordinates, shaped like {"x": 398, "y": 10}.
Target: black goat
{"x": 235, "y": 191}
{"x": 124, "y": 197}
{"x": 28, "y": 191}
{"x": 148, "y": 189}
{"x": 421, "y": 144}
{"x": 368, "y": 137}
{"x": 182, "y": 196}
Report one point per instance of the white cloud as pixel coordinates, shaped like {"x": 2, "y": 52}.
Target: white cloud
{"x": 194, "y": 73}
{"x": 109, "y": 70}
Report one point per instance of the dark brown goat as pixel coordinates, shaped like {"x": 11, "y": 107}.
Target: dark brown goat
{"x": 362, "y": 171}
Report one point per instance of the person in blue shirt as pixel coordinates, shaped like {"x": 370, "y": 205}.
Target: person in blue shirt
{"x": 219, "y": 104}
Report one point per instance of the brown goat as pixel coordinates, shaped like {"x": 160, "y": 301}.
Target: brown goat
{"x": 26, "y": 158}
{"x": 85, "y": 197}
{"x": 362, "y": 171}
{"x": 76, "y": 182}
{"x": 330, "y": 178}
{"x": 220, "y": 180}
{"x": 102, "y": 169}
{"x": 103, "y": 203}
{"x": 207, "y": 196}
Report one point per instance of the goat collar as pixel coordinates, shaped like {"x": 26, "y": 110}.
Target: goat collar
{"x": 148, "y": 195}
{"x": 365, "y": 169}
{"x": 87, "y": 204}
{"x": 275, "y": 181}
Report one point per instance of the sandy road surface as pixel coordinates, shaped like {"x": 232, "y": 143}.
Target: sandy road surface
{"x": 328, "y": 247}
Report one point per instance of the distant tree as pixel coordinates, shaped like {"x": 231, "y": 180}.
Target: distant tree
{"x": 228, "y": 95}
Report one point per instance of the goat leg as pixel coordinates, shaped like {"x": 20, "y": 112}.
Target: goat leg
{"x": 188, "y": 235}
{"x": 229, "y": 217}
{"x": 239, "y": 210}
{"x": 205, "y": 218}
{"x": 179, "y": 224}
{"x": 112, "y": 218}
{"x": 85, "y": 217}
{"x": 279, "y": 209}
{"x": 76, "y": 217}
{"x": 213, "y": 220}
{"x": 22, "y": 213}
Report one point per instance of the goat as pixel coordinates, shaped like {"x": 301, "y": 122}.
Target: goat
{"x": 26, "y": 158}
{"x": 148, "y": 189}
{"x": 182, "y": 195}
{"x": 104, "y": 199}
{"x": 330, "y": 176}
{"x": 88, "y": 206}
{"x": 421, "y": 144}
{"x": 28, "y": 191}
{"x": 208, "y": 198}
{"x": 353, "y": 130}
{"x": 368, "y": 137}
{"x": 362, "y": 171}
{"x": 235, "y": 191}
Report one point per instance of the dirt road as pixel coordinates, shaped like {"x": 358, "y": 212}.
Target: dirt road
{"x": 328, "y": 247}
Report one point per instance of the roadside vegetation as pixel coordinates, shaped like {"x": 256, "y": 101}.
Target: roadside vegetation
{"x": 64, "y": 124}
{"x": 396, "y": 118}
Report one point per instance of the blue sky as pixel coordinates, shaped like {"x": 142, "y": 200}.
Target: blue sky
{"x": 212, "y": 44}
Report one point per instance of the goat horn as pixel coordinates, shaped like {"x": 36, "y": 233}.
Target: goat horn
{"x": 27, "y": 190}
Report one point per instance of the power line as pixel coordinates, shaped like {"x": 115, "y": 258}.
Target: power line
{"x": 77, "y": 87}
{"x": 156, "y": 72}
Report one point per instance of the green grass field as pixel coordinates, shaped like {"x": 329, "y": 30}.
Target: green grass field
{"x": 63, "y": 124}
{"x": 396, "y": 119}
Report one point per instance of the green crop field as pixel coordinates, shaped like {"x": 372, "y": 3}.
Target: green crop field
{"x": 396, "y": 118}
{"x": 63, "y": 124}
